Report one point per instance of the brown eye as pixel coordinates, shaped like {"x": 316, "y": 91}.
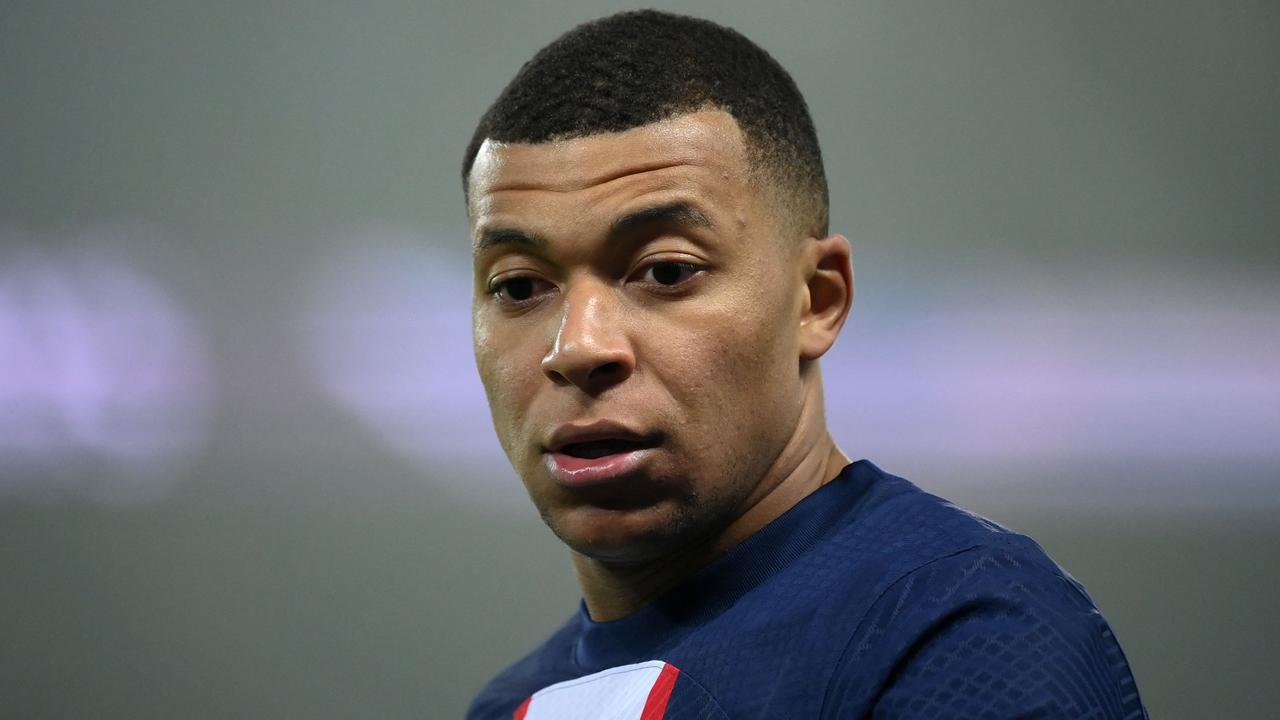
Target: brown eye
{"x": 518, "y": 289}
{"x": 669, "y": 274}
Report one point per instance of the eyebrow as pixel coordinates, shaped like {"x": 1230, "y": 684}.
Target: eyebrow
{"x": 676, "y": 213}
{"x": 494, "y": 237}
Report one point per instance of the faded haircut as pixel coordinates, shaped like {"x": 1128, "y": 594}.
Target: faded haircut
{"x": 635, "y": 68}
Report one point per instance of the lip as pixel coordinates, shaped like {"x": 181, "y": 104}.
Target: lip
{"x": 570, "y": 433}
{"x": 572, "y": 471}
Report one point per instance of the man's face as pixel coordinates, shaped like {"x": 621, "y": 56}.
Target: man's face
{"x": 635, "y": 323}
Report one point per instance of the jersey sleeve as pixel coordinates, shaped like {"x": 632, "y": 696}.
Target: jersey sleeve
{"x": 991, "y": 632}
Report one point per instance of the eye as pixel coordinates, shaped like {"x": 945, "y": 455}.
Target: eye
{"x": 669, "y": 273}
{"x": 518, "y": 289}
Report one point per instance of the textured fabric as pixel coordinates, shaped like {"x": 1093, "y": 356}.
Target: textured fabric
{"x": 869, "y": 599}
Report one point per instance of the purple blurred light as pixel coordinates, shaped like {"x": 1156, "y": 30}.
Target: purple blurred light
{"x": 105, "y": 389}
{"x": 1048, "y": 382}
{"x": 387, "y": 334}
{"x": 1130, "y": 376}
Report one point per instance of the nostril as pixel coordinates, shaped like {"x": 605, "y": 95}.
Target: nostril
{"x": 558, "y": 377}
{"x": 606, "y": 370}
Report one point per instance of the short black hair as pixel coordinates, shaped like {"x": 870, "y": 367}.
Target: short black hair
{"x": 639, "y": 67}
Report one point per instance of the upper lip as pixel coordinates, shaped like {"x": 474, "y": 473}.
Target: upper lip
{"x": 570, "y": 433}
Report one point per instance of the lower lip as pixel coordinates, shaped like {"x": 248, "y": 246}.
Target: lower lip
{"x": 579, "y": 472}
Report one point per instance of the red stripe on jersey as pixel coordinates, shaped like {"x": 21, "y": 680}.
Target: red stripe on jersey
{"x": 524, "y": 708}
{"x": 656, "y": 706}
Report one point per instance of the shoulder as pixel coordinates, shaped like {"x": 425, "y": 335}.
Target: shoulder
{"x": 1008, "y": 577}
{"x": 930, "y": 555}
{"x": 972, "y": 620}
{"x": 895, "y": 530}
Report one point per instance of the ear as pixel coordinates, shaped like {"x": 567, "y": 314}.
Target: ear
{"x": 827, "y": 264}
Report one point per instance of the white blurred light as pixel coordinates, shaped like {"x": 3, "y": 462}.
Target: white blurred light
{"x": 1143, "y": 374}
{"x": 105, "y": 389}
{"x": 387, "y": 332}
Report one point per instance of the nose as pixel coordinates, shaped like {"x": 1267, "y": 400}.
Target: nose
{"x": 590, "y": 350}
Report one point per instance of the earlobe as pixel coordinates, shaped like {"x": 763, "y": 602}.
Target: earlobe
{"x": 829, "y": 288}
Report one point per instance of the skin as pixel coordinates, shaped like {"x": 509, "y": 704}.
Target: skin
{"x": 700, "y": 329}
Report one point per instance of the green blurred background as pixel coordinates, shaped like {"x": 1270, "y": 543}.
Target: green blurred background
{"x": 245, "y": 466}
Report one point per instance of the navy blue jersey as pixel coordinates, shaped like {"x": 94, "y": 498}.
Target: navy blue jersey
{"x": 868, "y": 599}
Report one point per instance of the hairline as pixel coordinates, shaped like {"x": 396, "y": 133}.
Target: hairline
{"x": 766, "y": 175}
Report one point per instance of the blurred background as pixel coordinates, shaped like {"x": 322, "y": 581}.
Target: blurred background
{"x": 246, "y": 469}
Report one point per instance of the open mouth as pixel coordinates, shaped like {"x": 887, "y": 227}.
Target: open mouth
{"x": 599, "y": 456}
{"x": 593, "y": 449}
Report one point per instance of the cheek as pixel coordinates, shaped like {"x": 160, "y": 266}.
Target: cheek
{"x": 733, "y": 361}
{"x": 759, "y": 338}
{"x": 510, "y": 381}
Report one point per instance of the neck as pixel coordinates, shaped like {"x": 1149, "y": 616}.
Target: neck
{"x": 808, "y": 461}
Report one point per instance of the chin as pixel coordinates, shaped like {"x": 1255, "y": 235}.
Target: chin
{"x": 626, "y": 536}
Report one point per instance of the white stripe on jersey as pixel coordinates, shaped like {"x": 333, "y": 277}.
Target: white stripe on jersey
{"x": 618, "y": 693}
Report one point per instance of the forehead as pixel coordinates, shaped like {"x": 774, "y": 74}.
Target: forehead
{"x": 702, "y": 154}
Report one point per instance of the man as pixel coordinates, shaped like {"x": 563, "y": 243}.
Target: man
{"x": 655, "y": 285}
